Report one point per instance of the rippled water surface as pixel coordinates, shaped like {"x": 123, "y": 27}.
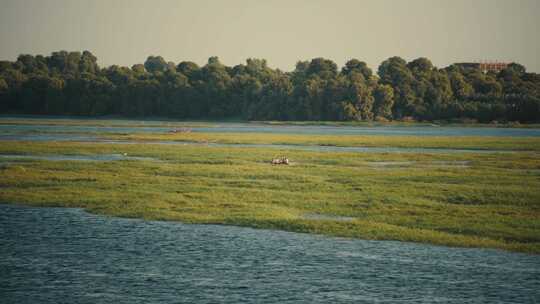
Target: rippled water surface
{"x": 283, "y": 129}
{"x": 55, "y": 255}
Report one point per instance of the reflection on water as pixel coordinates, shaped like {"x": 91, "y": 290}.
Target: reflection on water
{"x": 55, "y": 255}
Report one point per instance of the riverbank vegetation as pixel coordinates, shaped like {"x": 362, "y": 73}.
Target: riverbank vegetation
{"x": 112, "y": 121}
{"x": 426, "y": 142}
{"x": 461, "y": 199}
{"x": 72, "y": 83}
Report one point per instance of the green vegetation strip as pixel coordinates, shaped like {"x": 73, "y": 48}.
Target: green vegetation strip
{"x": 492, "y": 202}
{"x": 97, "y": 122}
{"x": 443, "y": 142}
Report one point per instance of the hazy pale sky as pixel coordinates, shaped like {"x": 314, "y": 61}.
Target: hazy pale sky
{"x": 283, "y": 32}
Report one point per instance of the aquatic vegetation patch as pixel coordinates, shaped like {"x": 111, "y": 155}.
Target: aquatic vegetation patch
{"x": 97, "y": 157}
{"x": 471, "y": 200}
{"x": 426, "y": 142}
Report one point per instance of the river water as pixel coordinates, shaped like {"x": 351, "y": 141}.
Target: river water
{"x": 42, "y": 132}
{"x": 118, "y": 127}
{"x": 57, "y": 255}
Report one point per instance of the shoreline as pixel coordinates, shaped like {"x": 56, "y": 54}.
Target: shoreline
{"x": 170, "y": 120}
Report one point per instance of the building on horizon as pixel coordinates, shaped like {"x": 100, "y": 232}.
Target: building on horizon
{"x": 485, "y": 66}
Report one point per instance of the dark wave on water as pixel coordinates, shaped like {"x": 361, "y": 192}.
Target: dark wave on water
{"x": 58, "y": 255}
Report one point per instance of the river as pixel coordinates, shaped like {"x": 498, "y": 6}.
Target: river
{"x": 119, "y": 126}
{"x": 85, "y": 133}
{"x": 59, "y": 255}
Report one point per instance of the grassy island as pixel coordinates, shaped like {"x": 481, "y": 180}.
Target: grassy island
{"x": 468, "y": 199}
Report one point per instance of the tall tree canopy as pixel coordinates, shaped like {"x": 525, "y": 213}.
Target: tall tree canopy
{"x": 73, "y": 83}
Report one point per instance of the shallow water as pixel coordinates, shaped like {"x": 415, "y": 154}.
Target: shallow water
{"x": 280, "y": 129}
{"x": 47, "y": 137}
{"x": 39, "y": 132}
{"x": 363, "y": 149}
{"x": 90, "y": 138}
{"x": 56, "y": 255}
{"x": 378, "y": 130}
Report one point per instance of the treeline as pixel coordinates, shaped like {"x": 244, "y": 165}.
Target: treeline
{"x": 72, "y": 83}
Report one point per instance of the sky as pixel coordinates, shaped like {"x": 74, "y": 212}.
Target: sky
{"x": 126, "y": 32}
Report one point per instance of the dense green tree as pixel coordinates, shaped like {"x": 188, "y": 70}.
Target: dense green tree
{"x": 43, "y": 95}
{"x": 461, "y": 89}
{"x": 4, "y": 101}
{"x": 346, "y": 111}
{"x": 5, "y": 65}
{"x": 355, "y": 65}
{"x": 155, "y": 64}
{"x": 394, "y": 72}
{"x": 174, "y": 87}
{"x": 274, "y": 100}
{"x": 3, "y": 86}
{"x": 138, "y": 69}
{"x": 73, "y": 83}
{"x": 322, "y": 68}
{"x": 216, "y": 89}
{"x": 88, "y": 63}
{"x": 515, "y": 67}
{"x": 89, "y": 95}
{"x": 190, "y": 69}
{"x": 384, "y": 101}
{"x": 360, "y": 94}
{"x": 420, "y": 66}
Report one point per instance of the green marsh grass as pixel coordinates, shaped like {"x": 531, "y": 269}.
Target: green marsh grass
{"x": 491, "y": 200}
{"x": 445, "y": 142}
